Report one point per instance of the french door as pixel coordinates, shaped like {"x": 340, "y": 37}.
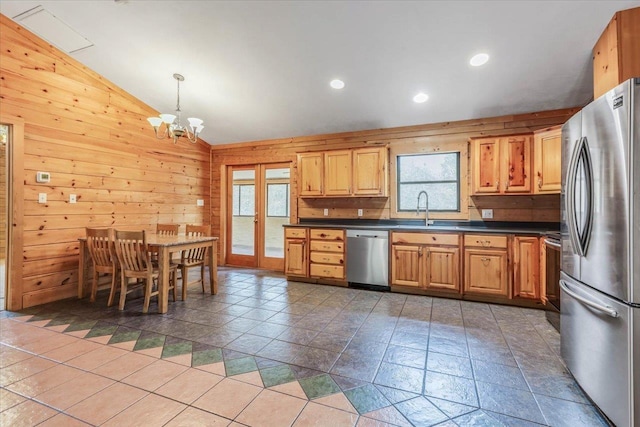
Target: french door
{"x": 258, "y": 205}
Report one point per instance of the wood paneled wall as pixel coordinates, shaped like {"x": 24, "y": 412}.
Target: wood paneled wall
{"x": 512, "y": 208}
{"x": 95, "y": 141}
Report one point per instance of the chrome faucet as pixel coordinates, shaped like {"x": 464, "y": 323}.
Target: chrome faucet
{"x": 427, "y": 222}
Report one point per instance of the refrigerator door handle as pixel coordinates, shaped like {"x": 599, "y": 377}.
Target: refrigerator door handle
{"x": 603, "y": 308}
{"x": 570, "y": 199}
{"x": 585, "y": 154}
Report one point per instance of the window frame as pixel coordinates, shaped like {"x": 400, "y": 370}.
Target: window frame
{"x": 456, "y": 181}
{"x": 430, "y": 145}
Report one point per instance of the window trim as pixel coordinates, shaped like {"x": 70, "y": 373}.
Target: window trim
{"x": 430, "y": 145}
{"x": 456, "y": 181}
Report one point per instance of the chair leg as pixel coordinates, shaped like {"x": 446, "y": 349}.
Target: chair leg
{"x": 94, "y": 285}
{"x": 148, "y": 288}
{"x": 202, "y": 277}
{"x": 123, "y": 290}
{"x": 185, "y": 282}
{"x": 112, "y": 292}
{"x": 173, "y": 278}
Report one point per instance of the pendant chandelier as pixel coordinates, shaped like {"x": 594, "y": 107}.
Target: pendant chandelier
{"x": 172, "y": 127}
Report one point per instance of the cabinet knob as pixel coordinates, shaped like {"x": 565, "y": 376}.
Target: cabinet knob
{"x": 539, "y": 182}
{"x": 497, "y": 184}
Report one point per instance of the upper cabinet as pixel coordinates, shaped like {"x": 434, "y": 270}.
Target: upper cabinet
{"x": 501, "y": 165}
{"x": 547, "y": 149}
{"x": 370, "y": 171}
{"x": 616, "y": 55}
{"x": 337, "y": 173}
{"x": 310, "y": 173}
{"x": 340, "y": 173}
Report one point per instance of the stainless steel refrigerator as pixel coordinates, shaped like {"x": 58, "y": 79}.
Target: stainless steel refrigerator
{"x": 600, "y": 278}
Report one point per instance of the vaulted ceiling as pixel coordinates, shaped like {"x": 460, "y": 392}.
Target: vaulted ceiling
{"x": 261, "y": 70}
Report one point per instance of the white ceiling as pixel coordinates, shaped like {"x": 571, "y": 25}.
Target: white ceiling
{"x": 260, "y": 70}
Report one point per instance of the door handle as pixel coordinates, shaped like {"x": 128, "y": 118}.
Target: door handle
{"x": 600, "y": 307}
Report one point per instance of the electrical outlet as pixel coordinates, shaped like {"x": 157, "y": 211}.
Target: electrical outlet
{"x": 42, "y": 197}
{"x": 326, "y": 212}
{"x": 359, "y": 212}
{"x": 487, "y": 213}
{"x": 200, "y": 202}
{"x": 72, "y": 198}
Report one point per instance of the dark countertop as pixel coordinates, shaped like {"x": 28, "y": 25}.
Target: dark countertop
{"x": 536, "y": 229}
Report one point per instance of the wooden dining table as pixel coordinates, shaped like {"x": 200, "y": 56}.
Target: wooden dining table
{"x": 164, "y": 245}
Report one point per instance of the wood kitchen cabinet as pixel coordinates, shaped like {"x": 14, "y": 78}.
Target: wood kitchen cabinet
{"x": 295, "y": 247}
{"x": 370, "y": 171}
{"x": 360, "y": 172}
{"x": 616, "y": 55}
{"x": 501, "y": 165}
{"x": 337, "y": 173}
{"x": 486, "y": 265}
{"x": 310, "y": 174}
{"x": 327, "y": 253}
{"x": 526, "y": 267}
{"x": 429, "y": 261}
{"x": 547, "y": 164}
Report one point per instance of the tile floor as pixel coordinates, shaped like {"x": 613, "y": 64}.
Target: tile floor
{"x": 267, "y": 352}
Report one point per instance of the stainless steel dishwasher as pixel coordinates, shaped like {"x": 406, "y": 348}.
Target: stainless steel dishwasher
{"x": 368, "y": 258}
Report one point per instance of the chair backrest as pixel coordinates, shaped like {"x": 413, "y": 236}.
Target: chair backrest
{"x": 167, "y": 229}
{"x": 100, "y": 245}
{"x": 196, "y": 230}
{"x": 131, "y": 248}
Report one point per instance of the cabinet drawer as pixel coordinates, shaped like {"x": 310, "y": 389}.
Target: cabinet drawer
{"x": 330, "y": 271}
{"x": 321, "y": 234}
{"x": 426, "y": 238}
{"x": 321, "y": 246}
{"x": 327, "y": 258}
{"x": 485, "y": 241}
{"x": 295, "y": 232}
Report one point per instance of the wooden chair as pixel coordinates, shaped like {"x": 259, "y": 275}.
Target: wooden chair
{"x": 100, "y": 246}
{"x": 193, "y": 258}
{"x": 167, "y": 229}
{"x": 135, "y": 262}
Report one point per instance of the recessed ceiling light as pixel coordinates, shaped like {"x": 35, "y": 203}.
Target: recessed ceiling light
{"x": 420, "y": 98}
{"x": 479, "y": 59}
{"x": 336, "y": 84}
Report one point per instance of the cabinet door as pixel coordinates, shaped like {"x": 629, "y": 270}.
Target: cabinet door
{"x": 310, "y": 170}
{"x": 516, "y": 164}
{"x": 486, "y": 166}
{"x": 337, "y": 173}
{"x": 486, "y": 272}
{"x": 526, "y": 267}
{"x": 443, "y": 268}
{"x": 370, "y": 172}
{"x": 547, "y": 149}
{"x": 406, "y": 265}
{"x": 295, "y": 257}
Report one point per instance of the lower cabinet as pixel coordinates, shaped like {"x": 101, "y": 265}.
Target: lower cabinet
{"x": 295, "y": 249}
{"x": 426, "y": 261}
{"x": 526, "y": 267}
{"x": 326, "y": 252}
{"x": 486, "y": 264}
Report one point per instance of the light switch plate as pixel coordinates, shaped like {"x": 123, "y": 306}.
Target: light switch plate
{"x": 487, "y": 213}
{"x": 200, "y": 202}
{"x": 72, "y": 198}
{"x": 42, "y": 197}
{"x": 359, "y": 212}
{"x": 326, "y": 212}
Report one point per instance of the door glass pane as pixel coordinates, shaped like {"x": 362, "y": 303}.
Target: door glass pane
{"x": 276, "y": 211}
{"x": 4, "y": 141}
{"x": 244, "y": 210}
